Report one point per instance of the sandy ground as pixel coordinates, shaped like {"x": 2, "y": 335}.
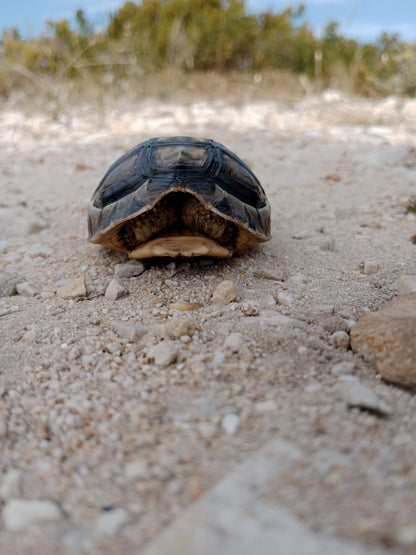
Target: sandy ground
{"x": 119, "y": 446}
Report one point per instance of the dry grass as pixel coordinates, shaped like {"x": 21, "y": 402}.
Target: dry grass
{"x": 54, "y": 96}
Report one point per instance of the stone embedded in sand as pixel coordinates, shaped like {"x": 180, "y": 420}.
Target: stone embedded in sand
{"x": 28, "y": 289}
{"x": 356, "y": 394}
{"x": 340, "y": 339}
{"x": 164, "y": 353}
{"x": 176, "y": 328}
{"x": 406, "y": 284}
{"x": 130, "y": 269}
{"x": 225, "y": 293}
{"x": 21, "y": 513}
{"x": 115, "y": 290}
{"x": 8, "y": 283}
{"x": 388, "y": 337}
{"x": 75, "y": 288}
{"x": 128, "y": 330}
{"x": 266, "y": 274}
{"x": 184, "y": 306}
{"x": 234, "y": 342}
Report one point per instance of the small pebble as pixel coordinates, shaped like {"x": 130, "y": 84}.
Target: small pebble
{"x": 274, "y": 318}
{"x": 185, "y": 306}
{"x": 225, "y": 293}
{"x": 176, "y": 328}
{"x": 75, "y": 288}
{"x": 27, "y": 289}
{"x": 234, "y": 342}
{"x": 306, "y": 234}
{"x": 218, "y": 359}
{"x": 8, "y": 283}
{"x": 115, "y": 290}
{"x": 21, "y": 513}
{"x": 406, "y": 284}
{"x": 284, "y": 298}
{"x": 249, "y": 309}
{"x": 207, "y": 430}
{"x": 3, "y": 426}
{"x": 110, "y": 522}
{"x": 406, "y": 536}
{"x": 164, "y": 353}
{"x": 230, "y": 423}
{"x": 267, "y": 274}
{"x": 333, "y": 177}
{"x": 128, "y": 330}
{"x": 370, "y": 267}
{"x": 265, "y": 406}
{"x": 340, "y": 339}
{"x": 136, "y": 469}
{"x": 206, "y": 406}
{"x": 333, "y": 324}
{"x": 77, "y": 539}
{"x": 343, "y": 368}
{"x": 129, "y": 269}
{"x": 115, "y": 348}
{"x": 356, "y": 394}
{"x": 11, "y": 484}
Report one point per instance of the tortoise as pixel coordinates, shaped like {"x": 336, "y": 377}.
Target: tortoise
{"x": 179, "y": 196}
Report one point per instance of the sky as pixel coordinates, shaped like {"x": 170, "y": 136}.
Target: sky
{"x": 360, "y": 19}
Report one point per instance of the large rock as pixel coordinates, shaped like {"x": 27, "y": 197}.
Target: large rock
{"x": 388, "y": 337}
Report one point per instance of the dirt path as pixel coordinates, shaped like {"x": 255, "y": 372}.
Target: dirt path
{"x": 117, "y": 445}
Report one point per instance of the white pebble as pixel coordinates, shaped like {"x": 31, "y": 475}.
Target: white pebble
{"x": 342, "y": 368}
{"x": 406, "y": 284}
{"x": 128, "y": 330}
{"x": 164, "y": 353}
{"x": 27, "y": 289}
{"x": 370, "y": 267}
{"x": 265, "y": 406}
{"x": 356, "y": 394}
{"x": 110, "y": 522}
{"x": 11, "y": 484}
{"x": 21, "y": 513}
{"x": 136, "y": 469}
{"x": 340, "y": 339}
{"x": 129, "y": 269}
{"x": 234, "y": 342}
{"x": 230, "y": 423}
{"x": 115, "y": 290}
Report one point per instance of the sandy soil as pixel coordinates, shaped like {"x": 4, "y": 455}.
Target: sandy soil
{"x": 120, "y": 445}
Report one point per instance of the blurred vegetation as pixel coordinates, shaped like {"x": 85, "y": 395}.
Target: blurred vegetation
{"x": 191, "y": 36}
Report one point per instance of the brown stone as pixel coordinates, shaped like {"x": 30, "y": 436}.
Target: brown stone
{"x": 388, "y": 337}
{"x": 75, "y": 288}
{"x": 185, "y": 306}
{"x": 224, "y": 293}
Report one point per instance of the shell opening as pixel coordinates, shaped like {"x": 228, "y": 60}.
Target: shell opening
{"x": 178, "y": 214}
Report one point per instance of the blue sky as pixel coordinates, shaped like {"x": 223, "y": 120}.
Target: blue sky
{"x": 360, "y": 19}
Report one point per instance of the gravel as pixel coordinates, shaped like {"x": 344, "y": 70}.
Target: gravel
{"x": 136, "y": 403}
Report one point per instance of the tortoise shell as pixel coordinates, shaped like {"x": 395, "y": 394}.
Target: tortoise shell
{"x": 179, "y": 196}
